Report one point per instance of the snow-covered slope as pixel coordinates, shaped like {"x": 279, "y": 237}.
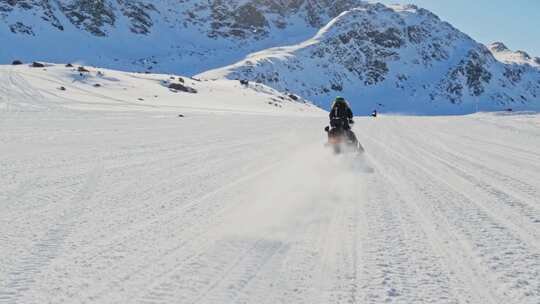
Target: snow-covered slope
{"x": 396, "y": 58}
{"x": 171, "y": 36}
{"x": 140, "y": 207}
{"x": 23, "y": 88}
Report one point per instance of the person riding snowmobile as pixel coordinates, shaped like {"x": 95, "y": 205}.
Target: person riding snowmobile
{"x": 340, "y": 135}
{"x": 342, "y": 111}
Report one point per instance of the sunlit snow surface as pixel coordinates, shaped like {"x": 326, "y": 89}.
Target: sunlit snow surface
{"x": 107, "y": 199}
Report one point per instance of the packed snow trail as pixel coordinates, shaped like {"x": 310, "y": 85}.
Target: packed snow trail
{"x": 147, "y": 207}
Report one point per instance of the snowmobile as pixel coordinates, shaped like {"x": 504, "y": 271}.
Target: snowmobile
{"x": 341, "y": 138}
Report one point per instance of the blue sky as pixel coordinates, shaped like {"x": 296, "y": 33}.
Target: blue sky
{"x": 514, "y": 22}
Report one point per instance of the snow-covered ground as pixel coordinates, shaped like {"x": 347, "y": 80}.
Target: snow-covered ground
{"x": 23, "y": 88}
{"x": 138, "y": 205}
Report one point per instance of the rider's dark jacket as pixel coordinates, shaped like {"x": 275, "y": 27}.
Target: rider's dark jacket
{"x": 341, "y": 109}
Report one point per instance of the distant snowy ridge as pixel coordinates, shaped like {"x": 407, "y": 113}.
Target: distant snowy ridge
{"x": 397, "y": 58}
{"x": 504, "y": 54}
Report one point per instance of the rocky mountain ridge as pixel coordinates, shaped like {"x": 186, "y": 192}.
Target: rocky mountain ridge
{"x": 402, "y": 58}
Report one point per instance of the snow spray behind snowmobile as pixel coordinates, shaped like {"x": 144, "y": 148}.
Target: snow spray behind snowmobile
{"x": 341, "y": 138}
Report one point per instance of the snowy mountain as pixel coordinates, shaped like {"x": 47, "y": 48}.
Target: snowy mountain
{"x": 398, "y": 58}
{"x": 393, "y": 58}
{"x": 180, "y": 36}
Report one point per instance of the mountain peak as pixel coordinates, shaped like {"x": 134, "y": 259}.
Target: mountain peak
{"x": 498, "y": 47}
{"x": 506, "y": 55}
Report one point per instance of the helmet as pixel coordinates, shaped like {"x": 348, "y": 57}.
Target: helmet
{"x": 340, "y": 101}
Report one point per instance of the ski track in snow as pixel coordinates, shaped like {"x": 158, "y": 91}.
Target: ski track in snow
{"x": 136, "y": 207}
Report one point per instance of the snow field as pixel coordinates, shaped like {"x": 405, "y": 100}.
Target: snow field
{"x": 146, "y": 207}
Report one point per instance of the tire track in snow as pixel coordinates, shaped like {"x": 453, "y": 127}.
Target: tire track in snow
{"x": 20, "y": 280}
{"x": 404, "y": 264}
{"x": 132, "y": 194}
{"x": 515, "y": 209}
{"x": 512, "y": 274}
{"x": 455, "y": 274}
{"x": 341, "y": 259}
{"x": 196, "y": 220}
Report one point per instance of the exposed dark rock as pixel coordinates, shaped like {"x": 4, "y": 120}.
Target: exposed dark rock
{"x": 499, "y": 47}
{"x": 43, "y": 10}
{"x": 417, "y": 34}
{"x": 90, "y": 15}
{"x": 337, "y": 87}
{"x": 524, "y": 54}
{"x": 477, "y": 74}
{"x": 513, "y": 73}
{"x": 21, "y": 28}
{"x": 139, "y": 15}
{"x": 390, "y": 38}
{"x": 293, "y": 97}
{"x": 248, "y": 16}
{"x": 376, "y": 72}
{"x": 182, "y": 88}
{"x": 17, "y": 62}
{"x": 36, "y": 64}
{"x": 69, "y": 65}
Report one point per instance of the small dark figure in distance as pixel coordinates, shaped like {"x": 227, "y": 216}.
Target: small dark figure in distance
{"x": 374, "y": 113}
{"x": 244, "y": 82}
